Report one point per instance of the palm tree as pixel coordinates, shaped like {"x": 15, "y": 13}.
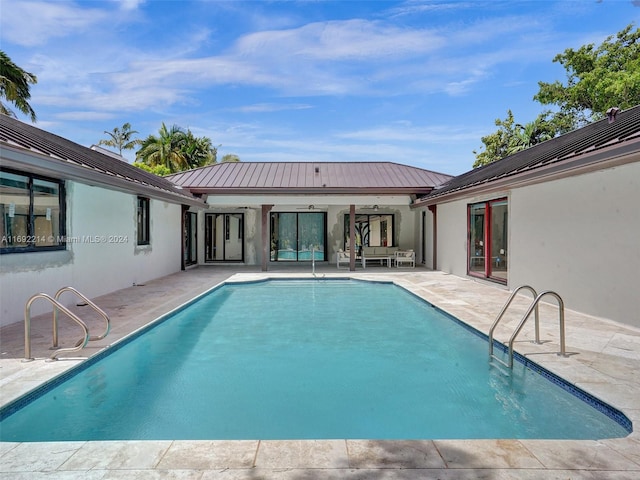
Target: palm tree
{"x": 529, "y": 135}
{"x": 198, "y": 151}
{"x": 166, "y": 149}
{"x": 14, "y": 87}
{"x": 121, "y": 138}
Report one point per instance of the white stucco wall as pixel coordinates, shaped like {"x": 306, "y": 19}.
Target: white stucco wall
{"x": 578, "y": 236}
{"x": 102, "y": 255}
{"x": 452, "y": 237}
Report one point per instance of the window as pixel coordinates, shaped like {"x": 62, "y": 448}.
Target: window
{"x": 143, "y": 221}
{"x": 487, "y": 233}
{"x": 371, "y": 231}
{"x": 33, "y": 213}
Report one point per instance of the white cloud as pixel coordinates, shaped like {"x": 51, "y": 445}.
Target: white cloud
{"x": 397, "y": 141}
{"x": 416, "y": 7}
{"x": 406, "y": 132}
{"x": 346, "y": 57}
{"x": 130, "y": 4}
{"x": 271, "y": 107}
{"x": 344, "y": 40}
{"x": 34, "y": 23}
{"x": 84, "y": 115}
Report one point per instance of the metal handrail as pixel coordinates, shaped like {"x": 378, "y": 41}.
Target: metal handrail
{"x": 504, "y": 309}
{"x": 56, "y": 305}
{"x": 526, "y": 316}
{"x": 90, "y": 303}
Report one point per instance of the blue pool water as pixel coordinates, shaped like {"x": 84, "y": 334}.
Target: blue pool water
{"x": 305, "y": 359}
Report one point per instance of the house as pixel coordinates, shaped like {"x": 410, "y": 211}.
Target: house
{"x": 563, "y": 215}
{"x": 76, "y": 216}
{"x": 260, "y": 213}
{"x": 72, "y": 216}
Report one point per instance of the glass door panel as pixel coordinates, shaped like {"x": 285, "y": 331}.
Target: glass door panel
{"x": 499, "y": 239}
{"x": 362, "y": 232}
{"x": 287, "y": 241}
{"x": 476, "y": 238}
{"x": 190, "y": 238}
{"x": 310, "y": 236}
{"x": 233, "y": 243}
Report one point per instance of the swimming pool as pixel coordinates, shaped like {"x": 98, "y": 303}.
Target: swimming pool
{"x": 305, "y": 359}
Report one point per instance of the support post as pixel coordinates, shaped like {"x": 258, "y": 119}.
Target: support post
{"x": 185, "y": 209}
{"x": 434, "y": 211}
{"x": 352, "y": 238}
{"x": 266, "y": 241}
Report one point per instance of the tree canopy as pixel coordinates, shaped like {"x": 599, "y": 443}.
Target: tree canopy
{"x": 230, "y": 158}
{"x": 159, "y": 170}
{"x": 513, "y": 137}
{"x": 176, "y": 150}
{"x": 598, "y": 78}
{"x": 15, "y": 87}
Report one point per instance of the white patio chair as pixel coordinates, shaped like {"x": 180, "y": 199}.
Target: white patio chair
{"x": 405, "y": 257}
{"x": 343, "y": 258}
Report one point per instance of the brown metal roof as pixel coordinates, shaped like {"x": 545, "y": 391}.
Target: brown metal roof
{"x": 309, "y": 177}
{"x": 593, "y": 138}
{"x": 58, "y": 150}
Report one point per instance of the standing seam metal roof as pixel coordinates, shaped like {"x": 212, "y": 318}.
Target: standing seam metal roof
{"x": 303, "y": 176}
{"x": 17, "y": 133}
{"x": 592, "y": 137}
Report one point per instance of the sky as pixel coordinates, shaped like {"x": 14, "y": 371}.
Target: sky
{"x": 417, "y": 82}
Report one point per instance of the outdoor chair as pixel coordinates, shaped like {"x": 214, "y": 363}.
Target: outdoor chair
{"x": 343, "y": 257}
{"x": 405, "y": 257}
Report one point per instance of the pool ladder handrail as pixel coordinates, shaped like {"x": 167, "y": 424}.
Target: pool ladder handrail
{"x": 533, "y": 307}
{"x": 95, "y": 307}
{"x": 58, "y": 306}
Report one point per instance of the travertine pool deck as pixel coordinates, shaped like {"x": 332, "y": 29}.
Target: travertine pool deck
{"x": 604, "y": 360}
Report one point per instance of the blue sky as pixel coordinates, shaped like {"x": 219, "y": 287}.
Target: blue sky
{"x": 414, "y": 82}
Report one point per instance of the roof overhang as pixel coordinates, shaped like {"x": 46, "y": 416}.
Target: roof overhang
{"x": 319, "y": 201}
{"x": 417, "y": 191}
{"x": 608, "y": 157}
{"x": 19, "y": 158}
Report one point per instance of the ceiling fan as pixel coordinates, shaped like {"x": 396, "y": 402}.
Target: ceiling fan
{"x": 310, "y": 208}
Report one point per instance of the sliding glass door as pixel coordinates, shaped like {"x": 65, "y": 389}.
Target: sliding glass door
{"x": 295, "y": 237}
{"x": 371, "y": 231}
{"x": 487, "y": 233}
{"x": 224, "y": 237}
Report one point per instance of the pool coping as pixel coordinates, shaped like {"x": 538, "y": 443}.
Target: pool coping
{"x": 343, "y": 458}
